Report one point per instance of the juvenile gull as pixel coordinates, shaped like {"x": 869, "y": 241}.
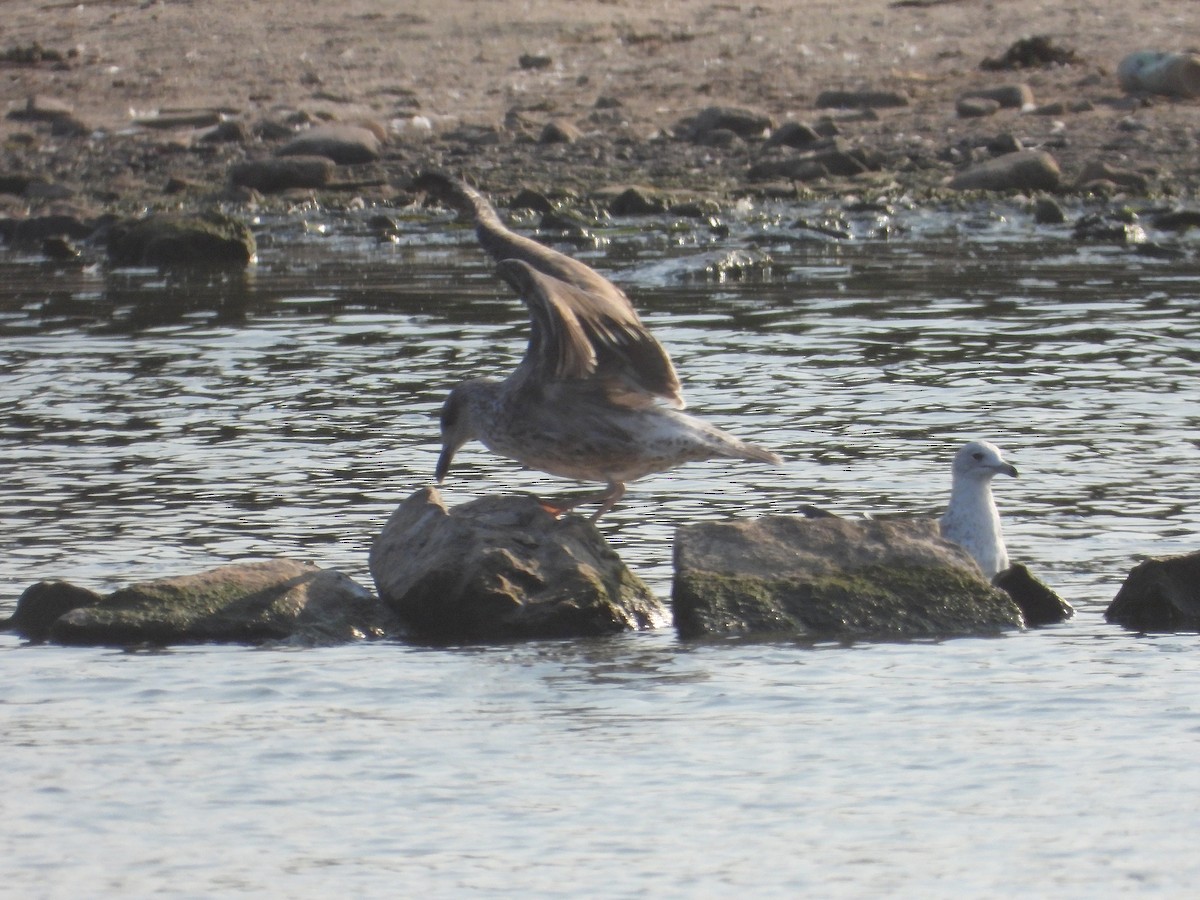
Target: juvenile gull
{"x": 971, "y": 520}
{"x": 595, "y": 397}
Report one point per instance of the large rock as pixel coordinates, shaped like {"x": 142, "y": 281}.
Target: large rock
{"x": 242, "y": 603}
{"x": 1026, "y": 170}
{"x": 211, "y": 240}
{"x": 1160, "y": 594}
{"x": 42, "y": 604}
{"x": 500, "y": 568}
{"x": 831, "y": 578}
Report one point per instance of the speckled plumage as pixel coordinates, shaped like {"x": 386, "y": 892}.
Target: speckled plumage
{"x": 591, "y": 398}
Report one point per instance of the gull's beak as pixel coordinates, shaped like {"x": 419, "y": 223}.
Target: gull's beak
{"x": 1006, "y": 469}
{"x": 443, "y": 463}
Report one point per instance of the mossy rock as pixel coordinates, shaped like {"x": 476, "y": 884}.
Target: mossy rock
{"x": 164, "y": 240}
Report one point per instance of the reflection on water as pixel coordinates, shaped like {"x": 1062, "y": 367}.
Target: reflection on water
{"x": 154, "y": 426}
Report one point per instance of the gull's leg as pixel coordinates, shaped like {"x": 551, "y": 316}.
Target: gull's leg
{"x": 607, "y": 499}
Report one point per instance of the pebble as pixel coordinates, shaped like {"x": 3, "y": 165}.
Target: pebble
{"x": 976, "y": 107}
{"x": 559, "y": 131}
{"x": 1009, "y": 96}
{"x": 745, "y": 123}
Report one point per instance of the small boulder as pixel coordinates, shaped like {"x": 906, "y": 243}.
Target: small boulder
{"x": 346, "y": 145}
{"x": 210, "y": 240}
{"x": 502, "y": 568}
{"x": 745, "y": 123}
{"x": 273, "y": 175}
{"x": 861, "y": 99}
{"x": 559, "y": 131}
{"x": 41, "y": 604}
{"x": 1009, "y": 96}
{"x": 1161, "y": 594}
{"x": 1173, "y": 74}
{"x": 794, "y": 134}
{"x": 975, "y": 107}
{"x": 277, "y": 599}
{"x": 831, "y": 578}
{"x": 1026, "y": 170}
{"x": 1038, "y": 603}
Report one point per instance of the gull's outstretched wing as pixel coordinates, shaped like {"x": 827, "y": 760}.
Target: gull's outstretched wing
{"x": 576, "y": 335}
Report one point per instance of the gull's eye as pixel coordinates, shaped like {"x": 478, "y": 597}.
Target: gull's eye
{"x": 978, "y": 457}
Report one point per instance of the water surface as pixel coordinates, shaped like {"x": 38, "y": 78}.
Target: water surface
{"x": 153, "y": 427}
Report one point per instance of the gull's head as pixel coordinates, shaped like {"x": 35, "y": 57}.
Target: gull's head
{"x": 458, "y": 426}
{"x": 980, "y": 460}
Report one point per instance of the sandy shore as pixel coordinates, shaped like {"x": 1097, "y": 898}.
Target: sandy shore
{"x": 624, "y": 72}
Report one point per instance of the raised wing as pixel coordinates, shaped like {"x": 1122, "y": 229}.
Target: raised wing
{"x": 577, "y": 334}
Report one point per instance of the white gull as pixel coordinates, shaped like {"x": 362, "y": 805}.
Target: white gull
{"x": 971, "y": 519}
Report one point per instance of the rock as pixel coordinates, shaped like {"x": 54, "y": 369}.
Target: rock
{"x": 198, "y": 118}
{"x": 1173, "y": 74}
{"x": 42, "y": 109}
{"x": 638, "y": 201}
{"x": 559, "y": 131}
{"x": 1009, "y": 96}
{"x": 210, "y": 240}
{"x": 745, "y": 123}
{"x": 1047, "y": 211}
{"x": 273, "y": 175}
{"x": 975, "y": 107}
{"x": 36, "y": 229}
{"x": 794, "y": 134}
{"x": 1027, "y": 170}
{"x": 344, "y": 144}
{"x": 273, "y": 600}
{"x": 534, "y": 62}
{"x": 1097, "y": 170}
{"x": 829, "y": 578}
{"x": 1177, "y": 220}
{"x": 1032, "y": 52}
{"x": 1161, "y": 594}
{"x": 1037, "y": 602}
{"x": 230, "y": 131}
{"x": 861, "y": 99}
{"x": 41, "y": 604}
{"x": 832, "y": 161}
{"x": 502, "y": 568}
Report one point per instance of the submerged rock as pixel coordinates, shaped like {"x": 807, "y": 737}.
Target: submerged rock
{"x": 831, "y": 578}
{"x": 1161, "y": 594}
{"x": 283, "y": 173}
{"x": 208, "y": 240}
{"x": 502, "y": 568}
{"x": 276, "y": 599}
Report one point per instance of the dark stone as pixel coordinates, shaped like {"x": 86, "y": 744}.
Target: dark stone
{"x": 1161, "y": 594}
{"x": 559, "y": 131}
{"x": 251, "y": 603}
{"x": 210, "y": 240}
{"x": 1046, "y": 211}
{"x": 42, "y": 109}
{"x": 1177, "y": 220}
{"x": 37, "y": 229}
{"x": 823, "y": 578}
{"x": 1128, "y": 179}
{"x": 534, "y": 62}
{"x": 1038, "y": 51}
{"x": 862, "y": 99}
{"x": 502, "y": 568}
{"x": 273, "y": 175}
{"x": 794, "y": 134}
{"x": 230, "y": 131}
{"x": 1038, "y": 603}
{"x": 638, "y": 201}
{"x": 43, "y": 603}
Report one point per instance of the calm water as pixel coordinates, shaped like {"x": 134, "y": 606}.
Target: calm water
{"x": 152, "y": 428}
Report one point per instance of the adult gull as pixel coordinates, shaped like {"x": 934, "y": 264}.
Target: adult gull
{"x": 971, "y": 520}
